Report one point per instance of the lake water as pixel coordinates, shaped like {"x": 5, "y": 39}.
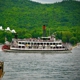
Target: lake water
{"x": 37, "y": 66}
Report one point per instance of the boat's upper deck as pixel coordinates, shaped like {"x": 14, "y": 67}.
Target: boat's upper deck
{"x": 34, "y": 40}
{"x": 43, "y": 40}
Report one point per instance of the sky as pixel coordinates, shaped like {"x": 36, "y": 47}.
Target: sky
{"x": 48, "y": 1}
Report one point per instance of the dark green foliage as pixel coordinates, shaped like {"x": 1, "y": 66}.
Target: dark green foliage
{"x": 64, "y": 39}
{"x": 73, "y": 40}
{"x": 27, "y": 14}
{"x": 27, "y": 18}
{"x": 2, "y": 38}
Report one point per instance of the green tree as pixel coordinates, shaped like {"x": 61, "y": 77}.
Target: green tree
{"x": 73, "y": 40}
{"x": 64, "y": 39}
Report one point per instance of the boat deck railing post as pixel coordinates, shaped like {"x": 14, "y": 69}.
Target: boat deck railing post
{"x": 1, "y": 69}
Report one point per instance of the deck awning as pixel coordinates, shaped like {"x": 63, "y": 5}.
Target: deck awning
{"x": 52, "y": 45}
{"x": 59, "y": 45}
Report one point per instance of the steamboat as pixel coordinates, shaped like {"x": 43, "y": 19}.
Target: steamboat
{"x": 36, "y": 45}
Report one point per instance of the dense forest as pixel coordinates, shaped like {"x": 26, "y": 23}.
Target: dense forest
{"x": 27, "y": 18}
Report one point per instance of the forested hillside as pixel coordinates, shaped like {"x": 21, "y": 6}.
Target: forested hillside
{"x": 27, "y": 18}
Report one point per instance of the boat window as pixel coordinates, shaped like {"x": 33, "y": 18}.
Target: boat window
{"x": 23, "y": 46}
{"x": 34, "y": 43}
{"x": 51, "y": 47}
{"x": 22, "y": 42}
{"x": 19, "y": 42}
{"x": 59, "y": 43}
{"x": 19, "y": 46}
{"x": 43, "y": 47}
{"x": 41, "y": 43}
{"x": 53, "y": 43}
{"x": 25, "y": 42}
{"x": 63, "y": 47}
{"x": 38, "y": 43}
{"x": 29, "y": 43}
{"x": 50, "y": 43}
{"x": 30, "y": 47}
{"x": 47, "y": 43}
{"x": 44, "y": 43}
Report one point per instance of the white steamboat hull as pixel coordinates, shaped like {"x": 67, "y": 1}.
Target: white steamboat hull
{"x": 37, "y": 50}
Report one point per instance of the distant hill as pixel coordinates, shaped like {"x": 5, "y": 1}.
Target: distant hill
{"x": 28, "y": 14}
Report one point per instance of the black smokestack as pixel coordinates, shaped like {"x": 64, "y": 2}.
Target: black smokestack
{"x": 44, "y": 30}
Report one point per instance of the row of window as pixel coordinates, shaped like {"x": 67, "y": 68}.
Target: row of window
{"x": 43, "y": 47}
{"x": 40, "y": 43}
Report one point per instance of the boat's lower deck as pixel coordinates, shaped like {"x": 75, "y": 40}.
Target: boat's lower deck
{"x": 37, "y": 50}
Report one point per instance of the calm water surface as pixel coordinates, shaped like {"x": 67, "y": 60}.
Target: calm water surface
{"x": 32, "y": 66}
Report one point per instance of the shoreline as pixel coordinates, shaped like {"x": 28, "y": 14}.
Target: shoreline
{"x": 75, "y": 46}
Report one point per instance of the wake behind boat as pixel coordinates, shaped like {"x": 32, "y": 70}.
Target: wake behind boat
{"x": 44, "y": 44}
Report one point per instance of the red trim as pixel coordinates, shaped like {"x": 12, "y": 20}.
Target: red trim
{"x": 5, "y": 47}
